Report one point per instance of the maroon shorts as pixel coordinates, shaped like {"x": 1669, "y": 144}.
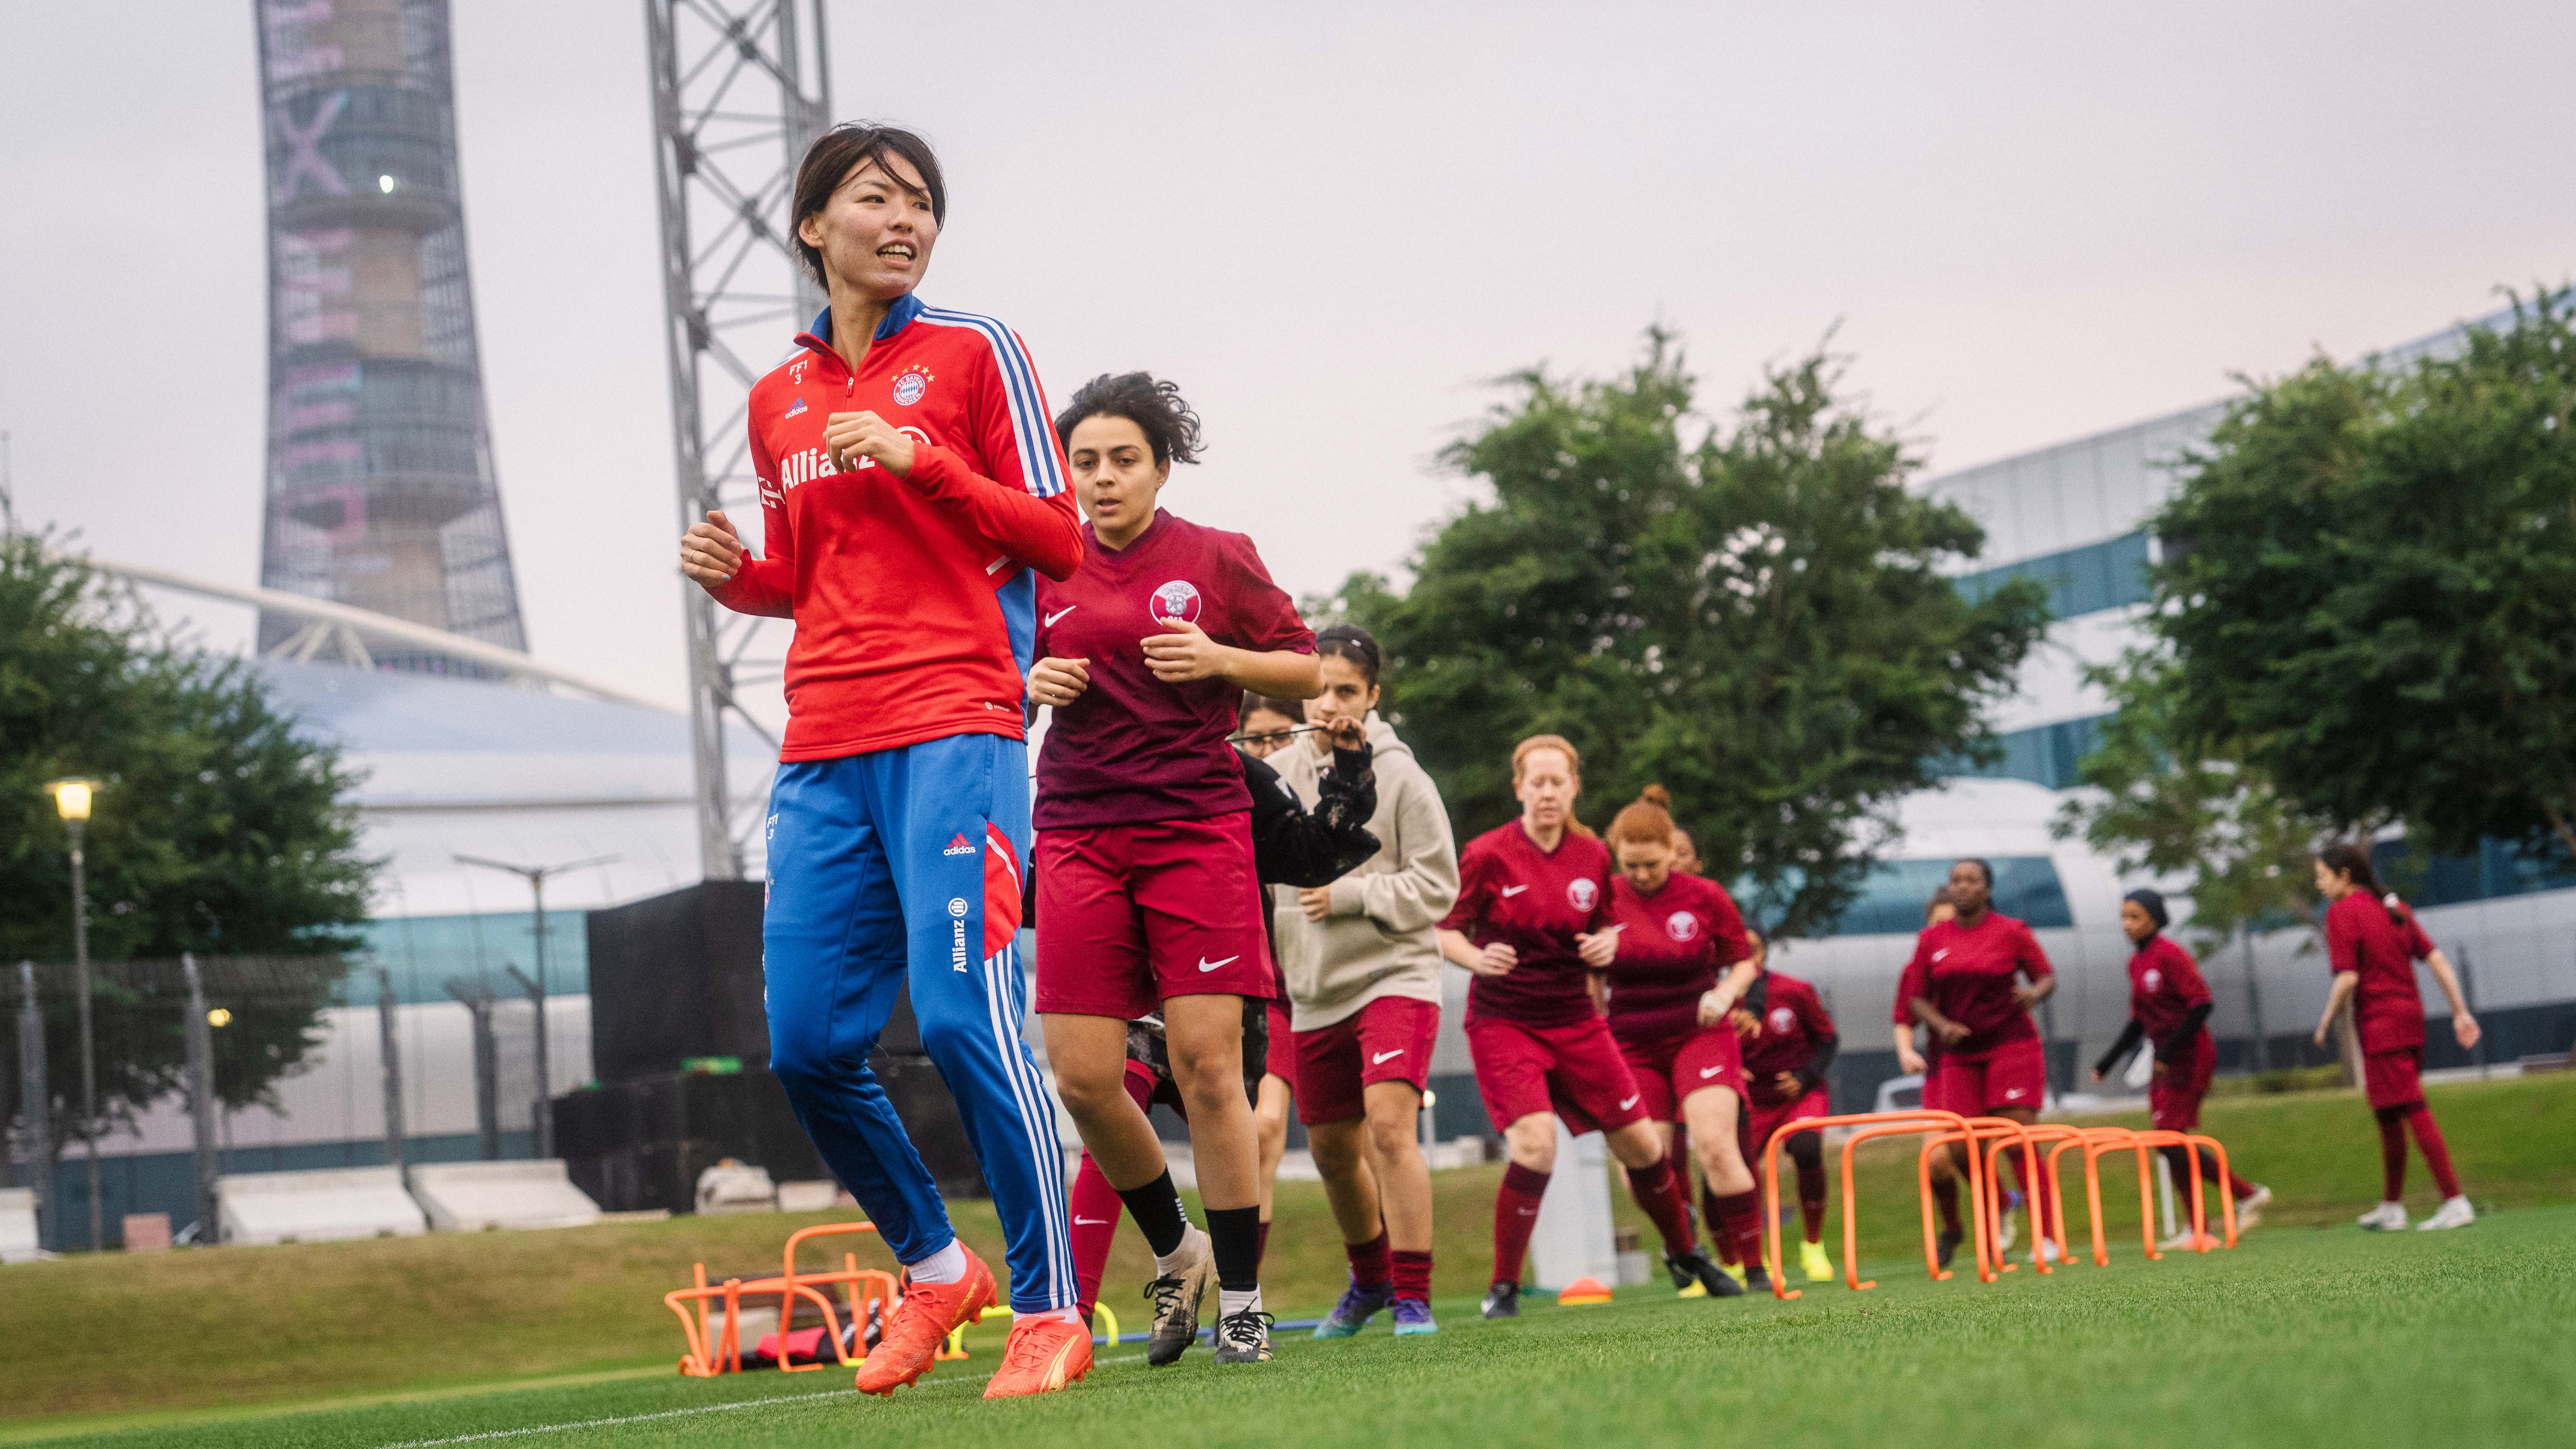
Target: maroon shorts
{"x": 2012, "y": 1075}
{"x": 2173, "y": 1095}
{"x": 1388, "y": 1040}
{"x": 2394, "y": 1079}
{"x": 1129, "y": 915}
{"x": 1670, "y": 1068}
{"x": 1281, "y": 1060}
{"x": 1760, "y": 1121}
{"x": 1571, "y": 1068}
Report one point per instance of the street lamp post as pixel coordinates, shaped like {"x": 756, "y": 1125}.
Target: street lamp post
{"x": 535, "y": 875}
{"x": 71, "y": 801}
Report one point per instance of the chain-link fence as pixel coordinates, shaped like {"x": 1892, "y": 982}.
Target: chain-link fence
{"x": 215, "y": 1065}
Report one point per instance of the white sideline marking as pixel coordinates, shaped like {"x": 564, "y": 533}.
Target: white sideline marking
{"x": 491, "y": 1434}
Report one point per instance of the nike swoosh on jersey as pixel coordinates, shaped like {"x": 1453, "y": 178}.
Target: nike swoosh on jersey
{"x": 1089, "y": 1222}
{"x": 1383, "y": 1058}
{"x": 1060, "y": 613}
{"x": 1510, "y": 891}
{"x": 1207, "y": 965}
{"x": 1944, "y": 951}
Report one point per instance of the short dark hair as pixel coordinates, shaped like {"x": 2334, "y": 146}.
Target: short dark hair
{"x": 1351, "y": 642}
{"x": 1984, "y": 867}
{"x": 1154, "y": 407}
{"x": 843, "y": 149}
{"x": 1251, "y": 702}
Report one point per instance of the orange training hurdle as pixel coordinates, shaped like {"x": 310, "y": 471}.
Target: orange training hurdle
{"x": 712, "y": 1352}
{"x": 1867, "y": 1125}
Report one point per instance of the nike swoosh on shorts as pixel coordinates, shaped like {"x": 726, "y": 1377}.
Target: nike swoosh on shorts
{"x": 1089, "y": 1222}
{"x": 1384, "y": 1057}
{"x": 1707, "y": 1072}
{"x": 1631, "y": 1102}
{"x": 1207, "y": 965}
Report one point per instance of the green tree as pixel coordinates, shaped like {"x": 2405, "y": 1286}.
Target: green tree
{"x": 1758, "y": 621}
{"x": 216, "y": 830}
{"x": 2167, "y": 804}
{"x": 2371, "y": 584}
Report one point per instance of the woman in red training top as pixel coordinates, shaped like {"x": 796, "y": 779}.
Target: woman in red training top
{"x": 1668, "y": 1008}
{"x": 1147, "y": 900}
{"x": 2373, "y": 943}
{"x": 1532, "y": 924}
{"x": 1909, "y": 1059}
{"x": 2169, "y": 1006}
{"x": 1974, "y": 979}
{"x": 1789, "y": 1046}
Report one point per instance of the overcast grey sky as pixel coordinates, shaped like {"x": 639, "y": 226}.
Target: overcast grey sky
{"x": 1328, "y": 224}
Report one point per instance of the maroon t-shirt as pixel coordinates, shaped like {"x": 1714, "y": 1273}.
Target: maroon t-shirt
{"x": 1793, "y": 1023}
{"x": 1133, "y": 748}
{"x": 1967, "y": 974}
{"x": 2164, "y": 985}
{"x": 1536, "y": 902}
{"x": 1672, "y": 945}
{"x": 2388, "y": 1005}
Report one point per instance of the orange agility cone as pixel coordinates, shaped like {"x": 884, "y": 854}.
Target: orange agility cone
{"x": 1583, "y": 1290}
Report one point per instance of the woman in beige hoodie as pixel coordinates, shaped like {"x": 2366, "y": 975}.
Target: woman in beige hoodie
{"x": 1362, "y": 961}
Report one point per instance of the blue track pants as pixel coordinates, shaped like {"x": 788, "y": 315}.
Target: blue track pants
{"x": 905, "y": 866}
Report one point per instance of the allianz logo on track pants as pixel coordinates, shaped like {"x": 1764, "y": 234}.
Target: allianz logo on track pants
{"x": 903, "y": 866}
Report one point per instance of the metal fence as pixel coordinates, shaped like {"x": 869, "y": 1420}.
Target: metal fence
{"x": 213, "y": 1065}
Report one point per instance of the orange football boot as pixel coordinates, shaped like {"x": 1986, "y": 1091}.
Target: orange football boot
{"x": 1044, "y": 1355}
{"x": 929, "y": 1313}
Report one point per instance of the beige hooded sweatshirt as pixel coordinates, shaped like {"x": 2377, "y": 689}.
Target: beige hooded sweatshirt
{"x": 1381, "y": 938}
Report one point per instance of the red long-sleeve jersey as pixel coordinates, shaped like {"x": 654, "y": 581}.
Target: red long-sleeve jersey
{"x": 914, "y": 603}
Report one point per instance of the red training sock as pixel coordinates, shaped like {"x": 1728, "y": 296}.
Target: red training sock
{"x": 1740, "y": 1219}
{"x": 1717, "y": 1235}
{"x": 1095, "y": 1208}
{"x": 1811, "y": 1199}
{"x": 2437, "y": 1153}
{"x": 1945, "y": 1196}
{"x": 1515, "y": 1214}
{"x": 1412, "y": 1275}
{"x": 2392, "y": 1156}
{"x": 2035, "y": 1193}
{"x": 1369, "y": 1266}
{"x": 1262, "y": 1249}
{"x": 1660, "y": 1194}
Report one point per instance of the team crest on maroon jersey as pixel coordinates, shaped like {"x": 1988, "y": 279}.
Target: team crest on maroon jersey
{"x": 1177, "y": 601}
{"x": 1782, "y": 1018}
{"x": 2154, "y": 978}
{"x": 909, "y": 387}
{"x": 1582, "y": 892}
{"x": 1681, "y": 926}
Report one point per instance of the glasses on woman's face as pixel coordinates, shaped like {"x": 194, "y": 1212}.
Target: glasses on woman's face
{"x": 1263, "y": 744}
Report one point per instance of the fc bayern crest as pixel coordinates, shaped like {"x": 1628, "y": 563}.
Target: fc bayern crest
{"x": 1681, "y": 926}
{"x": 1177, "y": 601}
{"x": 909, "y": 387}
{"x": 1582, "y": 892}
{"x": 1782, "y": 1018}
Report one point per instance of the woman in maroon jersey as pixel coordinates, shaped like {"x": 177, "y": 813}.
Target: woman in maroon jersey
{"x": 2169, "y": 1007}
{"x": 1974, "y": 979}
{"x": 1147, "y": 899}
{"x": 2372, "y": 945}
{"x": 1668, "y": 1009}
{"x": 1789, "y": 1046}
{"x": 1532, "y": 924}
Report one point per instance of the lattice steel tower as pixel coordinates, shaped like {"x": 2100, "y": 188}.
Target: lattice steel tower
{"x": 380, "y": 485}
{"x": 740, "y": 89}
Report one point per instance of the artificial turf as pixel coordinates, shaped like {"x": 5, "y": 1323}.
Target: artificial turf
{"x": 2325, "y": 1336}
{"x": 529, "y": 1328}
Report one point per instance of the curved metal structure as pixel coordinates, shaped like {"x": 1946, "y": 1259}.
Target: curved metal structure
{"x": 318, "y": 628}
{"x": 380, "y": 488}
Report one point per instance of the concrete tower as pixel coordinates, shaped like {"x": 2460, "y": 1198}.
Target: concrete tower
{"x": 380, "y": 489}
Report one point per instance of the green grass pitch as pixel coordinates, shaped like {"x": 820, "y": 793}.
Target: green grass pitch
{"x": 2324, "y": 1336}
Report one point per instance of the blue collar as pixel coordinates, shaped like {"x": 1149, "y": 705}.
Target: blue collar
{"x": 897, "y": 317}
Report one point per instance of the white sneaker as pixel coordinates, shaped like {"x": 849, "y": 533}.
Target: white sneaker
{"x": 2388, "y": 1217}
{"x": 2181, "y": 1242}
{"x": 2008, "y": 1227}
{"x": 2453, "y": 1213}
{"x": 2047, "y": 1252}
{"x": 2250, "y": 1211}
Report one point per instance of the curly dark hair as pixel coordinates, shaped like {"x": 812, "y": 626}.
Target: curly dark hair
{"x": 1154, "y": 407}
